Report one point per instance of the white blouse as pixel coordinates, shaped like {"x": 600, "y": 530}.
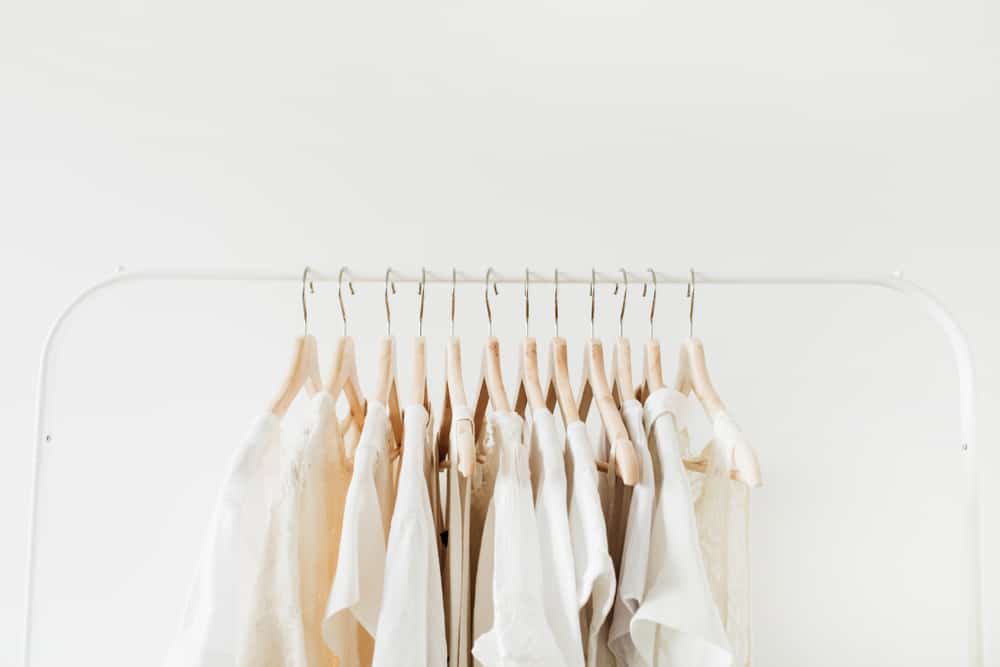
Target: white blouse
{"x": 509, "y": 578}
{"x": 353, "y": 606}
{"x": 299, "y": 556}
{"x": 677, "y": 624}
{"x": 411, "y": 623}
{"x": 635, "y": 550}
{"x": 217, "y": 609}
{"x": 595, "y": 573}
{"x": 548, "y": 464}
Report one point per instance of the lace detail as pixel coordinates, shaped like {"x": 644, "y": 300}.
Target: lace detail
{"x": 723, "y": 510}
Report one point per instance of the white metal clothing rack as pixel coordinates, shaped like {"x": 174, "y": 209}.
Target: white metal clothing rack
{"x": 965, "y": 444}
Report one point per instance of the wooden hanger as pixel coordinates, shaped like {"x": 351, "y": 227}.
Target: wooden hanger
{"x": 692, "y": 375}
{"x": 304, "y": 369}
{"x": 344, "y": 371}
{"x": 419, "y": 379}
{"x": 454, "y": 396}
{"x": 559, "y": 389}
{"x": 491, "y": 388}
{"x": 529, "y": 388}
{"x": 594, "y": 387}
{"x": 385, "y": 381}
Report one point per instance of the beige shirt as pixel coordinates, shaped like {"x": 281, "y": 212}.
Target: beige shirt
{"x": 300, "y": 556}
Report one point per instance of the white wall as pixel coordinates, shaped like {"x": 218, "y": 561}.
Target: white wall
{"x": 772, "y": 136}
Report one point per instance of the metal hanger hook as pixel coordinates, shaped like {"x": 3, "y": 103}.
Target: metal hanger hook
{"x": 621, "y": 314}
{"x": 305, "y": 310}
{"x": 593, "y": 298}
{"x": 555, "y": 299}
{"x": 527, "y": 305}
{"x": 652, "y": 306}
{"x": 421, "y": 292}
{"x": 340, "y": 294}
{"x": 453, "y": 281}
{"x": 389, "y": 285}
{"x": 489, "y": 309}
{"x": 690, "y": 296}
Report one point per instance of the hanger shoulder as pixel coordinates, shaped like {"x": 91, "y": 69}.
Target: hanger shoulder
{"x": 699, "y": 378}
{"x": 652, "y": 365}
{"x": 745, "y": 464}
{"x": 530, "y": 387}
{"x": 560, "y": 390}
{"x": 304, "y": 370}
{"x": 344, "y": 379}
{"x": 418, "y": 388}
{"x": 494, "y": 376}
{"x": 623, "y": 388}
{"x": 626, "y": 461}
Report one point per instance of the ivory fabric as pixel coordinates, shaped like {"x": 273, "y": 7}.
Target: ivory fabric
{"x": 548, "y": 466}
{"x": 595, "y": 573}
{"x": 635, "y": 547}
{"x": 678, "y": 623}
{"x": 722, "y": 506}
{"x": 509, "y": 579}
{"x": 217, "y": 611}
{"x": 411, "y": 627}
{"x": 457, "y": 573}
{"x": 352, "y": 610}
{"x": 299, "y": 557}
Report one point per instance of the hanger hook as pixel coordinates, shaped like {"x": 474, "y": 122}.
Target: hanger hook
{"x": 489, "y": 309}
{"x": 340, "y": 294}
{"x": 305, "y": 309}
{"x": 527, "y": 305}
{"x": 421, "y": 291}
{"x": 690, "y": 296}
{"x": 389, "y": 285}
{"x": 593, "y": 298}
{"x": 453, "y": 280}
{"x": 652, "y": 306}
{"x": 621, "y": 315}
{"x": 555, "y": 299}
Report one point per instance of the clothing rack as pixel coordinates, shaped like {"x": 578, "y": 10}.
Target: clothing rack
{"x": 965, "y": 446}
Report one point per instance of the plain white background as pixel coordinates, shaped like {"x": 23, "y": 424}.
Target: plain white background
{"x": 771, "y": 136}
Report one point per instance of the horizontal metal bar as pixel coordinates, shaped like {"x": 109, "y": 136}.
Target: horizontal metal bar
{"x": 603, "y": 277}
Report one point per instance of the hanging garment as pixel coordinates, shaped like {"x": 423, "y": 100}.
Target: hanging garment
{"x": 217, "y": 611}
{"x": 299, "y": 557}
{"x": 457, "y": 573}
{"x": 635, "y": 548}
{"x": 353, "y": 606}
{"x": 595, "y": 574}
{"x": 481, "y": 556}
{"x": 411, "y": 622}
{"x": 722, "y": 507}
{"x": 548, "y": 472}
{"x": 677, "y": 624}
{"x": 509, "y": 579}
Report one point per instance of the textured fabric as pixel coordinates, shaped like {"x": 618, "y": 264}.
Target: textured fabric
{"x": 299, "y": 557}
{"x": 548, "y": 464}
{"x": 355, "y": 597}
{"x": 519, "y": 634}
{"x": 677, "y": 624}
{"x": 722, "y": 507}
{"x": 595, "y": 574}
{"x": 217, "y": 610}
{"x": 411, "y": 622}
{"x": 635, "y": 548}
{"x": 457, "y": 581}
{"x": 481, "y": 554}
